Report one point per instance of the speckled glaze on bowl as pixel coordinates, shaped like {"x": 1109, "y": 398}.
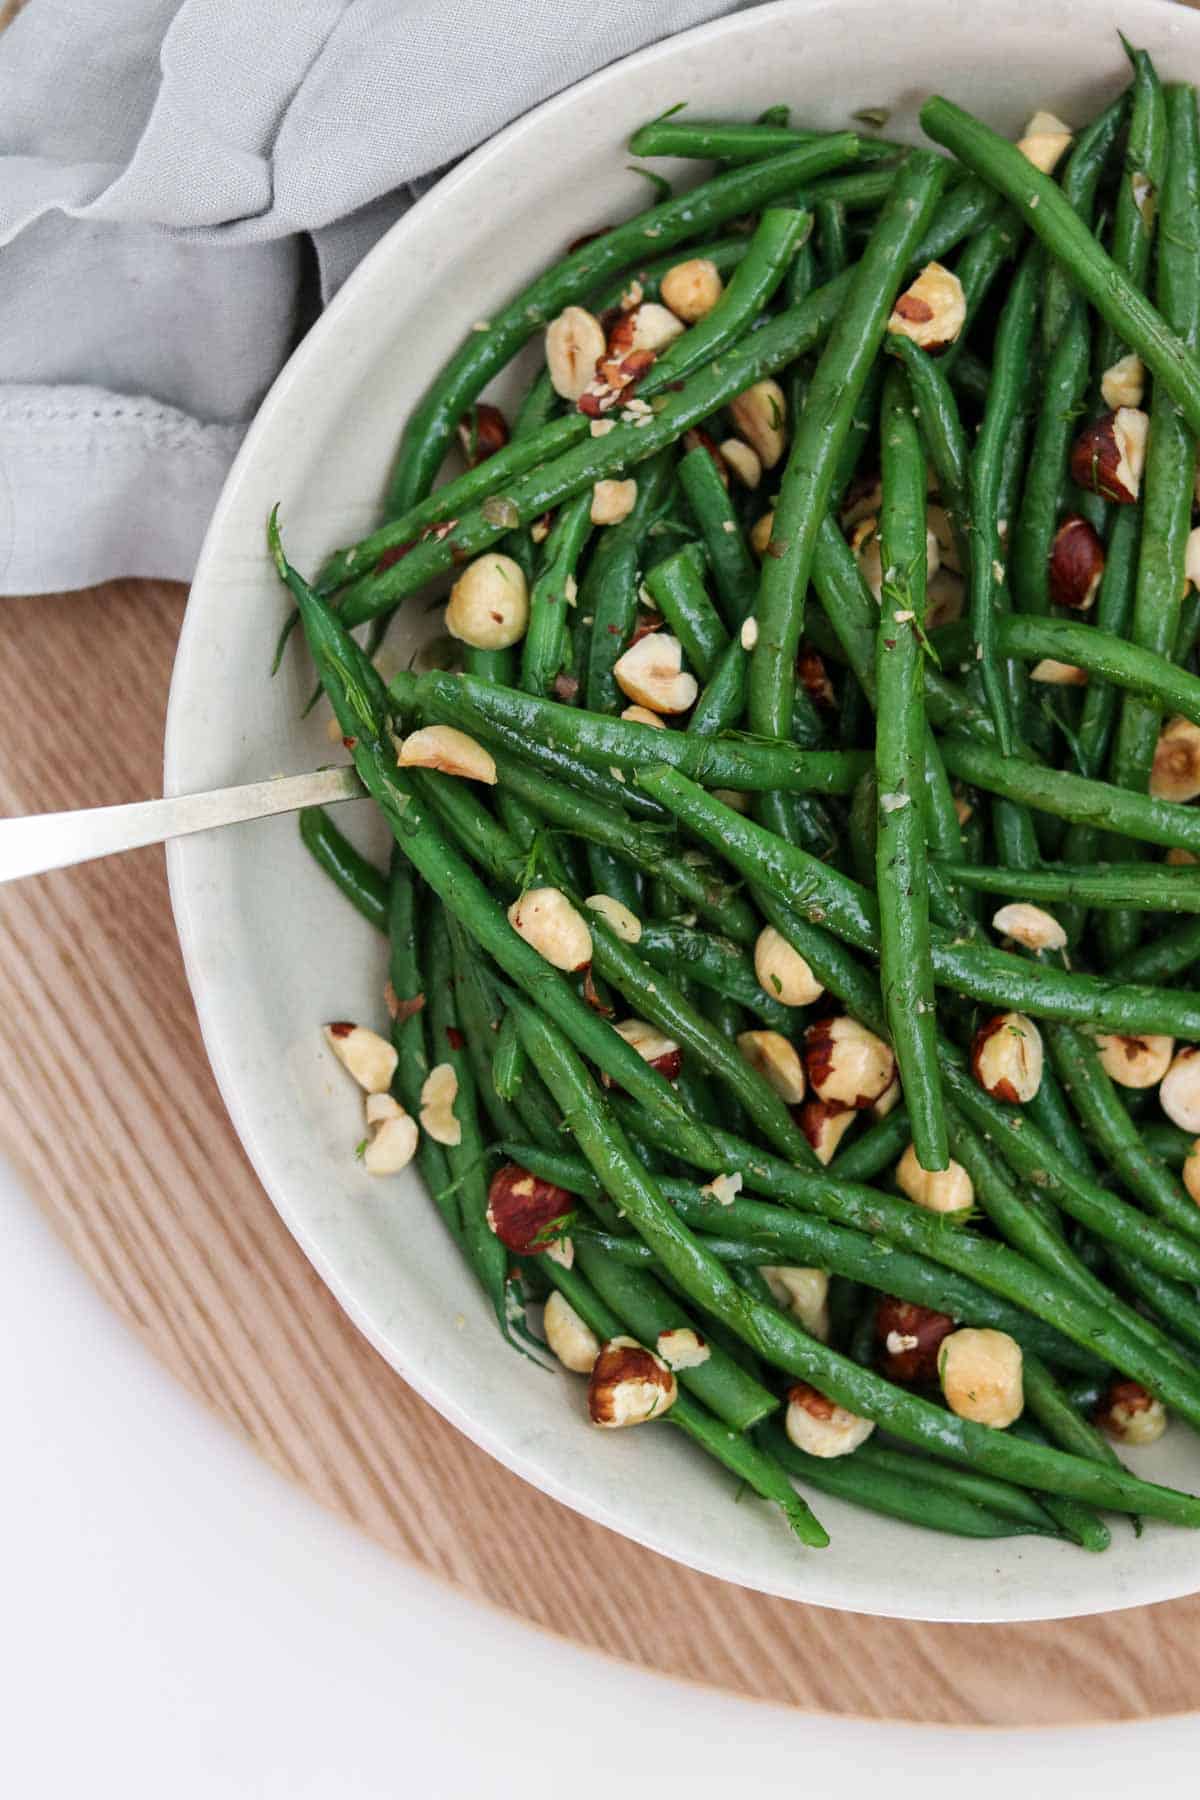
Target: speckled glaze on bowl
{"x": 272, "y": 950}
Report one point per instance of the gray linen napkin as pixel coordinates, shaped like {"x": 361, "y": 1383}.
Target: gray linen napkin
{"x": 163, "y": 165}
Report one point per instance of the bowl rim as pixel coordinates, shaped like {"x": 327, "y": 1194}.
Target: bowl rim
{"x": 310, "y": 349}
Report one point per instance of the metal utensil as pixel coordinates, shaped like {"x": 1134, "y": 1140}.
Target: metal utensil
{"x": 30, "y": 846}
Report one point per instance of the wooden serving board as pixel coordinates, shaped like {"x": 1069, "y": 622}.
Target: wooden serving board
{"x": 148, "y": 1186}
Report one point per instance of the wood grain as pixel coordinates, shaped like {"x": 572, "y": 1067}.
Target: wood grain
{"x": 143, "y": 1177}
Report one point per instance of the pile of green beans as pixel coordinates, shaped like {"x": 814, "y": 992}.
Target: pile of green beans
{"x": 852, "y": 846}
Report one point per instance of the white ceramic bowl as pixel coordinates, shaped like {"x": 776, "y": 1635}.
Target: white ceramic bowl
{"x": 272, "y": 950}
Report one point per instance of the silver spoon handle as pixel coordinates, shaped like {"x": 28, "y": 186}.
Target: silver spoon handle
{"x": 44, "y": 841}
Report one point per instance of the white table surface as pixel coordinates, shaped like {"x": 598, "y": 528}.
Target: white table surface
{"x": 177, "y": 1621}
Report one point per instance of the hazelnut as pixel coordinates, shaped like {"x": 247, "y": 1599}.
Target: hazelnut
{"x": 724, "y": 1189}
{"x": 1006, "y": 1057}
{"x": 613, "y": 501}
{"x": 1191, "y": 558}
{"x": 617, "y": 916}
{"x": 1076, "y": 564}
{"x": 937, "y": 1190}
{"x": 760, "y": 533}
{"x": 646, "y": 327}
{"x": 370, "y": 1058}
{"x": 451, "y": 751}
{"x": 1176, "y": 771}
{"x": 981, "y": 1376}
{"x": 782, "y": 972}
{"x": 864, "y": 542}
{"x": 629, "y": 1385}
{"x": 1029, "y": 925}
{"x": 697, "y": 439}
{"x": 820, "y": 1427}
{"x": 945, "y": 597}
{"x": 847, "y": 1063}
{"x": 888, "y": 1101}
{"x": 488, "y": 606}
{"x": 438, "y": 1094}
{"x": 804, "y": 1293}
{"x": 825, "y": 1123}
{"x": 1124, "y": 384}
{"x": 575, "y": 343}
{"x": 641, "y": 715}
{"x": 777, "y": 1060}
{"x": 652, "y": 1045}
{"x": 1181, "y": 859}
{"x": 1134, "y": 1062}
{"x": 526, "y": 1213}
{"x": 909, "y": 1338}
{"x": 1191, "y": 1171}
{"x": 545, "y": 918}
{"x": 760, "y": 415}
{"x": 1131, "y": 1415}
{"x": 682, "y": 1348}
{"x": 393, "y": 1136}
{"x": 744, "y": 461}
{"x": 932, "y": 310}
{"x": 814, "y": 678}
{"x": 1044, "y": 141}
{"x": 651, "y": 673}
{"x": 574, "y": 1344}
{"x": 1179, "y": 1090}
{"x": 1058, "y": 674}
{"x": 1109, "y": 455}
{"x": 938, "y": 521}
{"x": 692, "y": 288}
{"x": 482, "y": 432}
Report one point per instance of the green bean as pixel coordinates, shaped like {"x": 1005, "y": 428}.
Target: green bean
{"x": 998, "y": 1496}
{"x": 1169, "y": 1142}
{"x": 909, "y": 1494}
{"x": 754, "y": 282}
{"x": 1046, "y": 1402}
{"x": 1102, "y": 1113}
{"x": 783, "y": 1343}
{"x": 479, "y": 1022}
{"x": 820, "y": 432}
{"x": 509, "y": 1065}
{"x": 1165, "y": 958}
{"x": 360, "y": 881}
{"x": 609, "y": 590}
{"x": 546, "y": 637}
{"x": 732, "y": 564}
{"x": 408, "y": 1036}
{"x": 676, "y": 585}
{"x": 431, "y": 424}
{"x": 1081, "y": 1523}
{"x": 1080, "y": 179}
{"x": 738, "y": 1454}
{"x": 648, "y": 1310}
{"x": 1055, "y": 222}
{"x": 691, "y": 137}
{"x": 878, "y": 1147}
{"x": 945, "y": 439}
{"x": 1138, "y": 192}
{"x": 1172, "y": 1302}
{"x": 723, "y": 700}
{"x": 502, "y": 715}
{"x": 1151, "y": 887}
{"x": 906, "y": 972}
{"x": 713, "y": 963}
{"x": 831, "y": 230}
{"x": 979, "y": 263}
{"x": 1063, "y": 386}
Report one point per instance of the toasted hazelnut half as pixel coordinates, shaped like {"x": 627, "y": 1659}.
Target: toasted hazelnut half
{"x": 617, "y": 916}
{"x": 652, "y": 1045}
{"x": 1044, "y": 140}
{"x": 1076, "y": 564}
{"x": 888, "y": 1101}
{"x": 760, "y": 533}
{"x": 945, "y": 598}
{"x": 1029, "y": 925}
{"x": 909, "y": 1338}
{"x": 804, "y": 1293}
{"x": 937, "y": 1190}
{"x": 932, "y": 310}
{"x": 981, "y": 1376}
{"x": 629, "y": 1385}
{"x": 613, "y": 501}
{"x": 1191, "y": 558}
{"x": 370, "y": 1058}
{"x": 1179, "y": 1091}
{"x": 760, "y": 414}
{"x": 526, "y": 1213}
{"x": 392, "y": 1136}
{"x": 782, "y": 972}
{"x": 481, "y": 432}
{"x": 1109, "y": 455}
{"x": 737, "y": 802}
{"x": 545, "y": 918}
{"x": 574, "y": 1344}
{"x": 938, "y": 521}
{"x": 847, "y": 1063}
{"x": 651, "y": 673}
{"x": 1134, "y": 1062}
{"x": 682, "y": 1348}
{"x": 1191, "y": 1171}
{"x": 744, "y": 461}
{"x": 1175, "y": 774}
{"x": 864, "y": 542}
{"x": 575, "y": 342}
{"x": 724, "y": 1189}
{"x": 451, "y": 751}
{"x": 641, "y": 715}
{"x": 647, "y": 326}
{"x": 821, "y": 1427}
{"x": 439, "y": 1091}
{"x": 488, "y": 606}
{"x": 825, "y": 1123}
{"x": 692, "y": 288}
{"x": 777, "y": 1060}
{"x": 1131, "y": 1415}
{"x": 1124, "y": 384}
{"x": 1058, "y": 674}
{"x": 1006, "y": 1057}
